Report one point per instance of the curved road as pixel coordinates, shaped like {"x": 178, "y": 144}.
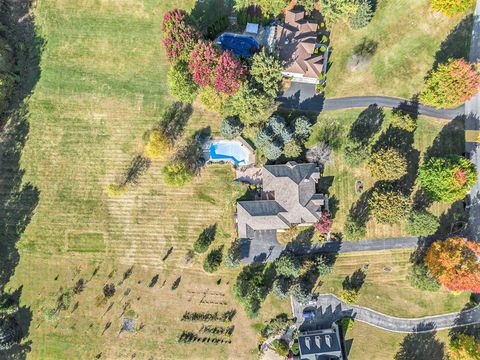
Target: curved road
{"x": 302, "y": 97}
{"x": 331, "y": 308}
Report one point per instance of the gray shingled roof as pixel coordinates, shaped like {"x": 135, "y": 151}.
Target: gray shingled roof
{"x": 293, "y": 186}
{"x": 293, "y": 171}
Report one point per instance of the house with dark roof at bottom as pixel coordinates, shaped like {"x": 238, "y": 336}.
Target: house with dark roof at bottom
{"x": 322, "y": 344}
{"x": 288, "y": 198}
{"x": 296, "y": 40}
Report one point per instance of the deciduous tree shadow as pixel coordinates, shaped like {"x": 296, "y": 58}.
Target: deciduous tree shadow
{"x": 450, "y": 140}
{"x": 421, "y": 346}
{"x": 17, "y": 200}
{"x": 457, "y": 43}
{"x": 367, "y": 124}
{"x": 355, "y": 281}
{"x": 175, "y": 119}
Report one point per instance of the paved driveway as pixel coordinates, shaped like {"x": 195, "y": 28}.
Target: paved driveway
{"x": 302, "y": 96}
{"x": 329, "y": 308}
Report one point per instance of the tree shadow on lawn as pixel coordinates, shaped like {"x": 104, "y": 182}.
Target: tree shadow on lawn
{"x": 457, "y": 43}
{"x": 174, "y": 119}
{"x": 421, "y": 346}
{"x": 18, "y": 200}
{"x": 450, "y": 140}
{"x": 367, "y": 124}
{"x": 355, "y": 281}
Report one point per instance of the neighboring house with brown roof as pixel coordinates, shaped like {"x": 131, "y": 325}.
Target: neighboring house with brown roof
{"x": 296, "y": 40}
{"x": 289, "y": 197}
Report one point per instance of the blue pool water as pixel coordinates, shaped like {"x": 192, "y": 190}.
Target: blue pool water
{"x": 229, "y": 150}
{"x": 240, "y": 45}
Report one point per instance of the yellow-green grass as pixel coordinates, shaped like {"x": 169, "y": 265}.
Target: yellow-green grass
{"x": 430, "y": 131}
{"x": 409, "y": 36}
{"x": 387, "y": 289}
{"x": 102, "y": 85}
{"x": 77, "y": 333}
{"x": 370, "y": 343}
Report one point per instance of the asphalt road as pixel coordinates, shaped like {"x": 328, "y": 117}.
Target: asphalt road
{"x": 302, "y": 96}
{"x": 472, "y": 122}
{"x": 259, "y": 250}
{"x": 329, "y": 308}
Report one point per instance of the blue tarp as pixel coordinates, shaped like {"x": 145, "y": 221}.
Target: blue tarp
{"x": 240, "y": 45}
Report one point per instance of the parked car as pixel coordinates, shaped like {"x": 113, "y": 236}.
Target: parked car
{"x": 308, "y": 314}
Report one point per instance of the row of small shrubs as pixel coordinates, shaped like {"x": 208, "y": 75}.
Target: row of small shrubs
{"x": 209, "y": 316}
{"x": 190, "y": 337}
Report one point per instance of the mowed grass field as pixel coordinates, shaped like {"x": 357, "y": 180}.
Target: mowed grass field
{"x": 409, "y": 39}
{"x": 431, "y": 135}
{"x": 386, "y": 288}
{"x": 102, "y": 85}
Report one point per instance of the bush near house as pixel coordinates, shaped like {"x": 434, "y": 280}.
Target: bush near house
{"x": 280, "y": 347}
{"x": 451, "y": 84}
{"x": 403, "y": 121}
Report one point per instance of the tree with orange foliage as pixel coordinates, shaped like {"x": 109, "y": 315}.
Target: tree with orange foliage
{"x": 455, "y": 263}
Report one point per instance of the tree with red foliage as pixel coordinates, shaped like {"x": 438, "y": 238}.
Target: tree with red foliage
{"x": 324, "y": 224}
{"x": 179, "y": 37}
{"x": 229, "y": 74}
{"x": 451, "y": 84}
{"x": 454, "y": 263}
{"x": 203, "y": 62}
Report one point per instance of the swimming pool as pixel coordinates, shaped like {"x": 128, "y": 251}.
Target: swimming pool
{"x": 240, "y": 45}
{"x": 232, "y": 151}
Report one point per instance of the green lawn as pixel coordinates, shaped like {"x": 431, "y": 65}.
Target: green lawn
{"x": 390, "y": 292}
{"x": 369, "y": 343}
{"x": 102, "y": 85}
{"x": 434, "y": 135}
{"x": 408, "y": 39}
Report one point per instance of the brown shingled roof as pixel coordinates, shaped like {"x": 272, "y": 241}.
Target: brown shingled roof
{"x": 296, "y": 43}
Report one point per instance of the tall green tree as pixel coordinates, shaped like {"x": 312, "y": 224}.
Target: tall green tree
{"x": 447, "y": 179}
{"x": 266, "y": 72}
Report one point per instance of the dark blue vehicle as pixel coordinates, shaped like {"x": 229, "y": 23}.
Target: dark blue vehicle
{"x": 308, "y": 314}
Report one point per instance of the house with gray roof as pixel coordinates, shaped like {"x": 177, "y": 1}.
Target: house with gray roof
{"x": 288, "y": 198}
{"x": 322, "y": 344}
